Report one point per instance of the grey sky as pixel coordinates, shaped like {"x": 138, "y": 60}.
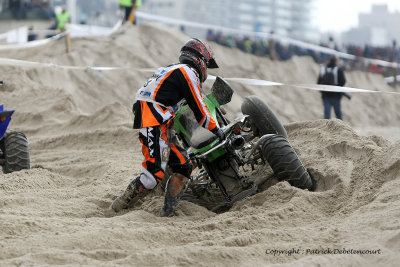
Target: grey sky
{"x": 340, "y": 15}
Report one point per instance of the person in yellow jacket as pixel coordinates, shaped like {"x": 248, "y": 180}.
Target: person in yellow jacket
{"x": 128, "y": 5}
{"x": 63, "y": 18}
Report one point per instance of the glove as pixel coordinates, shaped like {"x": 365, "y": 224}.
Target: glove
{"x": 219, "y": 133}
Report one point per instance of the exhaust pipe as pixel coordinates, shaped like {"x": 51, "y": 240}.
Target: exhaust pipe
{"x": 236, "y": 142}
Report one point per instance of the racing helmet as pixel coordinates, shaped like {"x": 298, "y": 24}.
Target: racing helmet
{"x": 199, "y": 55}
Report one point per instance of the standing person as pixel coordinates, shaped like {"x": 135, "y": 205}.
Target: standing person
{"x": 154, "y": 109}
{"x": 32, "y": 36}
{"x": 331, "y": 74}
{"x": 63, "y": 18}
{"x": 127, "y": 6}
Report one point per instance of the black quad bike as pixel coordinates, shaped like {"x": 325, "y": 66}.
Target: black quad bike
{"x": 221, "y": 170}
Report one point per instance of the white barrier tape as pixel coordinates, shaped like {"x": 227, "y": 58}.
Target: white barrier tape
{"x": 172, "y": 21}
{"x": 18, "y": 35}
{"x": 304, "y": 45}
{"x": 316, "y": 87}
{"x": 148, "y": 70}
{"x": 106, "y": 68}
{"x": 3, "y": 35}
{"x": 255, "y": 82}
{"x": 248, "y": 81}
{"x": 45, "y": 31}
{"x": 78, "y": 30}
{"x": 340, "y": 89}
{"x": 31, "y": 44}
{"x": 75, "y": 30}
{"x": 391, "y": 79}
{"x": 26, "y": 45}
{"x": 383, "y": 63}
{"x": 7, "y": 33}
{"x": 24, "y": 63}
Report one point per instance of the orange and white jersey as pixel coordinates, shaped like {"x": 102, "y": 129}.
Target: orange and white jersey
{"x": 156, "y": 100}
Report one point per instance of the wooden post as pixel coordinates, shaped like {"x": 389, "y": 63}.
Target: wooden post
{"x": 68, "y": 43}
{"x": 396, "y": 72}
{"x": 132, "y": 15}
{"x": 395, "y": 61}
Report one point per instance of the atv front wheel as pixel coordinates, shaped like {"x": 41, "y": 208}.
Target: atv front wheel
{"x": 285, "y": 163}
{"x": 261, "y": 117}
{"x": 15, "y": 152}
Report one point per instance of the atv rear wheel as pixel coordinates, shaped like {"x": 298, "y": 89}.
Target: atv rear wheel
{"x": 15, "y": 152}
{"x": 285, "y": 163}
{"x": 261, "y": 117}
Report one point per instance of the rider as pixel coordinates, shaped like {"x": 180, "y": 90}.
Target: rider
{"x": 154, "y": 109}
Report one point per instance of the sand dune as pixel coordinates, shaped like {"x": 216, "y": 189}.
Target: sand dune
{"x": 84, "y": 153}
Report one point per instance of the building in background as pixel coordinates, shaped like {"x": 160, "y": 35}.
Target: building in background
{"x": 94, "y": 12}
{"x": 168, "y": 8}
{"x": 291, "y": 18}
{"x": 378, "y": 28}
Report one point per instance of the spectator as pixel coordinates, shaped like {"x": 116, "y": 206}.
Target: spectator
{"x": 128, "y": 6}
{"x": 32, "y": 36}
{"x": 63, "y": 18}
{"x": 210, "y": 35}
{"x": 247, "y": 45}
{"x": 331, "y": 74}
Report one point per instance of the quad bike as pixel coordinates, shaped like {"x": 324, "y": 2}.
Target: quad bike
{"x": 14, "y": 150}
{"x": 220, "y": 177}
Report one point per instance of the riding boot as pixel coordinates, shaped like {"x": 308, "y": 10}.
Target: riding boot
{"x": 173, "y": 190}
{"x": 134, "y": 190}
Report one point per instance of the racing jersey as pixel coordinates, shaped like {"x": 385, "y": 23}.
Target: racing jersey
{"x": 156, "y": 101}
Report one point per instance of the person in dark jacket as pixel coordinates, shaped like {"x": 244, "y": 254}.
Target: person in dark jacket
{"x": 155, "y": 106}
{"x": 331, "y": 74}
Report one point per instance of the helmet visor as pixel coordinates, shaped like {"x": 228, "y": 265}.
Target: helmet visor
{"x": 212, "y": 64}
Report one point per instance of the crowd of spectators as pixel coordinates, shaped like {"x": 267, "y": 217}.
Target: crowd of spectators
{"x": 278, "y": 51}
{"x": 24, "y": 9}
